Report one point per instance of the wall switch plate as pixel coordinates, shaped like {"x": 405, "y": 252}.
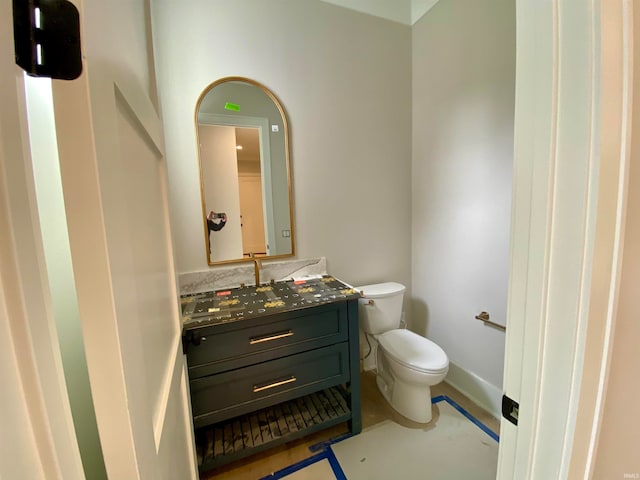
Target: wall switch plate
{"x": 286, "y": 233}
{"x": 275, "y": 128}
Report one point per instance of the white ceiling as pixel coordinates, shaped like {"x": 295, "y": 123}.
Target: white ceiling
{"x": 403, "y": 11}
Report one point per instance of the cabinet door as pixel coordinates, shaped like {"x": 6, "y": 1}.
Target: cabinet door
{"x": 228, "y": 394}
{"x": 244, "y": 343}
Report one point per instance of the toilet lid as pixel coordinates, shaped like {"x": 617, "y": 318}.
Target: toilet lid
{"x": 378, "y": 290}
{"x": 414, "y": 351}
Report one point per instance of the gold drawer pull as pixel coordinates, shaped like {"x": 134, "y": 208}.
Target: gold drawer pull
{"x": 257, "y": 389}
{"x": 268, "y": 338}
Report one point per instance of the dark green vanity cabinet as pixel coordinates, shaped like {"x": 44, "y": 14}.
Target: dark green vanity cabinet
{"x": 261, "y": 379}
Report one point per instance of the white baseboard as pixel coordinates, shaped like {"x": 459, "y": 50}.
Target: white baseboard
{"x": 481, "y": 392}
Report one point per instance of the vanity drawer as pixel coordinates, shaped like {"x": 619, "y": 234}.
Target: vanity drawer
{"x": 238, "y": 344}
{"x": 225, "y": 395}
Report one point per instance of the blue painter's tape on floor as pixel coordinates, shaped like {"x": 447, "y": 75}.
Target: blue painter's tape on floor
{"x": 325, "y": 451}
{"x": 335, "y": 465}
{"x": 297, "y": 466}
{"x": 321, "y": 446}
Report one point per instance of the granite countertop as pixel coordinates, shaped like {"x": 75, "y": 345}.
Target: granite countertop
{"x": 222, "y": 306}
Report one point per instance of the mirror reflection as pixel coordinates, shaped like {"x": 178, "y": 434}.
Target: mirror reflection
{"x": 245, "y": 182}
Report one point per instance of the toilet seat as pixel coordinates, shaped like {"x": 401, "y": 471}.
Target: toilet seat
{"x": 414, "y": 351}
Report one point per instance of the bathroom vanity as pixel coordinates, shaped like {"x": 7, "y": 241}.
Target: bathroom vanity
{"x": 270, "y": 364}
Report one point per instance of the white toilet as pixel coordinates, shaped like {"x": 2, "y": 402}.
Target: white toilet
{"x": 407, "y": 364}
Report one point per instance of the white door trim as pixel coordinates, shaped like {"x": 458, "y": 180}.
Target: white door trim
{"x": 110, "y": 144}
{"x": 573, "y": 89}
{"x": 26, "y": 295}
{"x": 616, "y": 34}
{"x": 117, "y": 415}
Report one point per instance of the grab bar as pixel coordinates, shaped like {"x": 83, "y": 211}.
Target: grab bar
{"x": 484, "y": 317}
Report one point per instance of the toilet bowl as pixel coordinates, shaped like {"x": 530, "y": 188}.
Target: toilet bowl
{"x": 407, "y": 364}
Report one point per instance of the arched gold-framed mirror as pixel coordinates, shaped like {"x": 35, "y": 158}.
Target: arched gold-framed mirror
{"x": 245, "y": 175}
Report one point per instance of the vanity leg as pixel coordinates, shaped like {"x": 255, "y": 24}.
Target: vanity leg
{"x": 355, "y": 424}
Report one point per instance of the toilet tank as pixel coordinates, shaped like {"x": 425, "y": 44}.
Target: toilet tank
{"x": 380, "y": 308}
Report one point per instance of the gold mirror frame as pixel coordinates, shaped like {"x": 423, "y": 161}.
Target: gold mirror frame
{"x": 203, "y": 189}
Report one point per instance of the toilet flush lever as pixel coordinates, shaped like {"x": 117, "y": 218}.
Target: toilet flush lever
{"x": 364, "y": 300}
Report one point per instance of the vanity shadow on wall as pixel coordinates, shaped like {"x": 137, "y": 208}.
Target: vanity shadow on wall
{"x": 269, "y": 364}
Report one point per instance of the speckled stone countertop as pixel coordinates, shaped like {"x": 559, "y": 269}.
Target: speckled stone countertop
{"x": 221, "y": 306}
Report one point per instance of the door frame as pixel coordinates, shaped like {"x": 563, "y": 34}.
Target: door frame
{"x": 82, "y": 146}
{"x": 26, "y": 298}
{"x": 570, "y": 181}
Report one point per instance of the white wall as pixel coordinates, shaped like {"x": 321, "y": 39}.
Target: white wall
{"x": 344, "y": 79}
{"x": 463, "y": 109}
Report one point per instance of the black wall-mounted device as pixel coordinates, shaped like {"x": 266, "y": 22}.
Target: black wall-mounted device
{"x": 46, "y": 35}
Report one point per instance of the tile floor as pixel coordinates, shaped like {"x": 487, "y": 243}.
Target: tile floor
{"x": 374, "y": 410}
